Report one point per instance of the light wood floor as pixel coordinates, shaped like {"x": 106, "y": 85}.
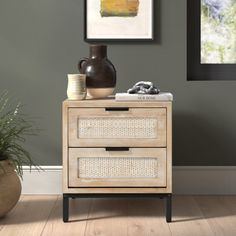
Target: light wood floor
{"x": 192, "y": 215}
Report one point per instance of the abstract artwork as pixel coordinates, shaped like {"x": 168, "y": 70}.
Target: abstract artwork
{"x": 211, "y": 40}
{"x": 115, "y": 20}
{"x": 120, "y": 8}
{"x": 218, "y": 31}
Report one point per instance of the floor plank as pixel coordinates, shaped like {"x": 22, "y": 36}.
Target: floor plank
{"x": 192, "y": 215}
{"x": 4, "y": 220}
{"x": 146, "y": 217}
{"x": 107, "y": 218}
{"x": 230, "y": 203}
{"x": 187, "y": 217}
{"x": 131, "y": 217}
{"x": 30, "y": 216}
{"x": 219, "y": 213}
{"x": 79, "y": 209}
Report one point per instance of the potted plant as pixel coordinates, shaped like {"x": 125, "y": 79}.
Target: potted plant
{"x": 14, "y": 127}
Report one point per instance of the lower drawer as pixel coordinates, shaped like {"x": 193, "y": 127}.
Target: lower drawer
{"x": 135, "y": 167}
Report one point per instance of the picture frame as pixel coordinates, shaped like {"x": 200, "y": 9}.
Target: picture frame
{"x": 195, "y": 70}
{"x": 118, "y": 27}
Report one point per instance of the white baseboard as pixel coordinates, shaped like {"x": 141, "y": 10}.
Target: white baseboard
{"x": 46, "y": 181}
{"x": 186, "y": 180}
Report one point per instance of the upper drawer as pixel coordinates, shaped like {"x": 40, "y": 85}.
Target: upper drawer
{"x": 117, "y": 127}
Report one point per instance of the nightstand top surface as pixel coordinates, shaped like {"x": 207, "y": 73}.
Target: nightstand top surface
{"x": 110, "y": 101}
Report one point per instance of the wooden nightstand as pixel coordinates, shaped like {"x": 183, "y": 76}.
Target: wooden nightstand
{"x": 117, "y": 149}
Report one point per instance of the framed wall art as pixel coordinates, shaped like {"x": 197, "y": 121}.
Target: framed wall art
{"x": 211, "y": 39}
{"x": 119, "y": 20}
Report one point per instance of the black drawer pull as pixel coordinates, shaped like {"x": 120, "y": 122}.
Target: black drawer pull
{"x": 116, "y": 108}
{"x": 117, "y": 149}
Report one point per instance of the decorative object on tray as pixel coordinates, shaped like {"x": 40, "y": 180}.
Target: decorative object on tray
{"x": 144, "y": 90}
{"x": 119, "y": 20}
{"x": 143, "y": 87}
{"x": 76, "y": 89}
{"x": 14, "y": 127}
{"x": 100, "y": 72}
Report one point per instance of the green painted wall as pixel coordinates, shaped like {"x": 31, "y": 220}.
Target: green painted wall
{"x": 42, "y": 40}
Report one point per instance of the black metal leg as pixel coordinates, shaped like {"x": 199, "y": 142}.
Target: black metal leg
{"x": 67, "y": 196}
{"x": 65, "y": 208}
{"x": 168, "y": 208}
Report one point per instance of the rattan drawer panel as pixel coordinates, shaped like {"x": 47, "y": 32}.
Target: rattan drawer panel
{"x": 117, "y": 167}
{"x": 90, "y": 167}
{"x": 137, "y": 127}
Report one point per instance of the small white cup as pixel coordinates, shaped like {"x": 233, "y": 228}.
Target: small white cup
{"x": 76, "y": 89}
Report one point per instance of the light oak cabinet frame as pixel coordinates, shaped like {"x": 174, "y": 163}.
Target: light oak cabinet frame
{"x": 109, "y": 190}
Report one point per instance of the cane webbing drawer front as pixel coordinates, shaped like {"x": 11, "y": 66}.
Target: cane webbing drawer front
{"x": 135, "y": 127}
{"x": 116, "y": 127}
{"x": 137, "y": 167}
{"x": 117, "y": 167}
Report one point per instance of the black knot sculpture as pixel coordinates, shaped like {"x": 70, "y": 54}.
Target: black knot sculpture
{"x": 143, "y": 87}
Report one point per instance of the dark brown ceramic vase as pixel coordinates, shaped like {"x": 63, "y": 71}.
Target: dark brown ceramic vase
{"x": 100, "y": 72}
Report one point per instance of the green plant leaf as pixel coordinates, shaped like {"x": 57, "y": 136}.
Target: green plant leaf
{"x": 14, "y": 129}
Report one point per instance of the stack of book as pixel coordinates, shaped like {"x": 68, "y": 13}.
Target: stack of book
{"x": 162, "y": 96}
